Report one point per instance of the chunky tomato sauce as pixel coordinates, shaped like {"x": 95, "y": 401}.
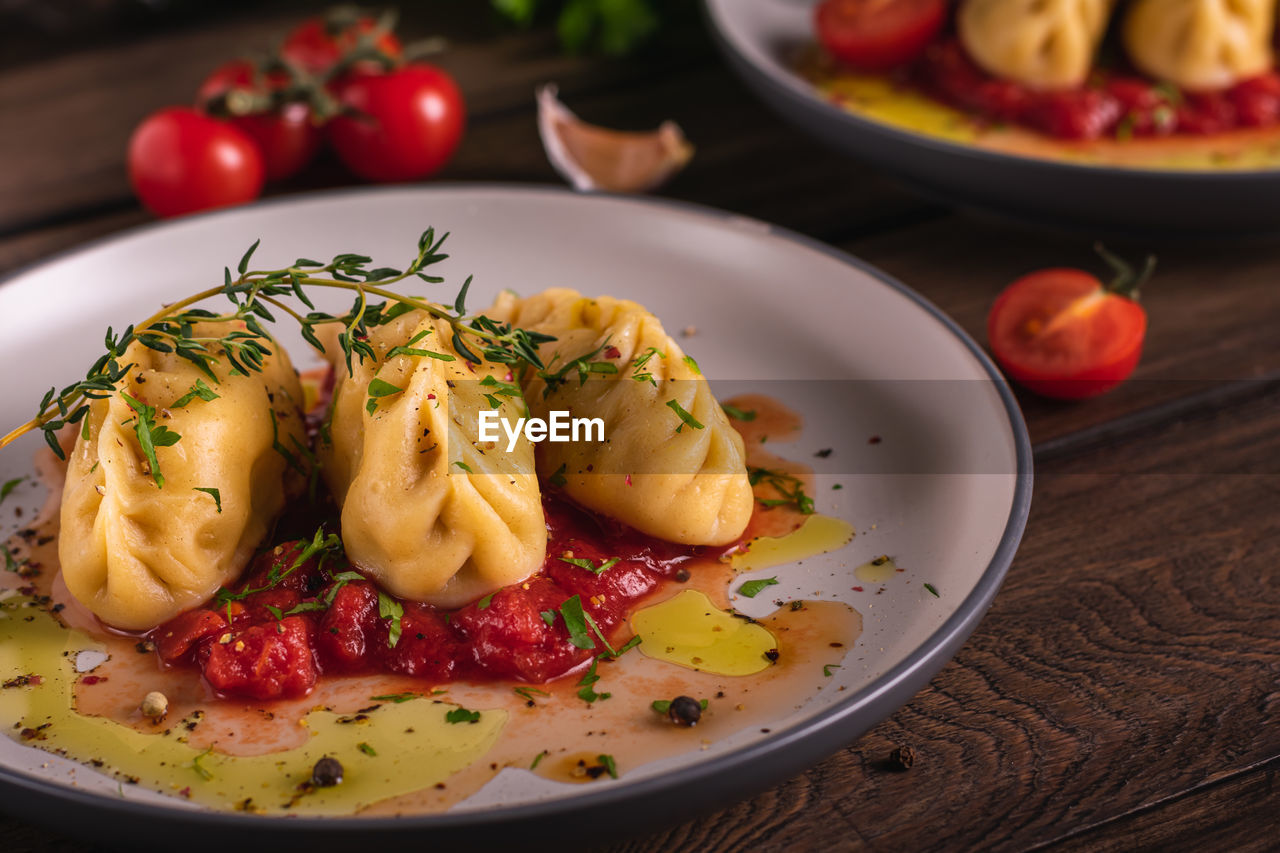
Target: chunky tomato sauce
{"x": 274, "y": 643}
{"x": 1113, "y": 104}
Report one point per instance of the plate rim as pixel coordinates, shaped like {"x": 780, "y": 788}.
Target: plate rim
{"x": 809, "y": 741}
{"x": 804, "y": 98}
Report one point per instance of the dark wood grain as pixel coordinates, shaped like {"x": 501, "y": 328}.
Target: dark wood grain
{"x": 1121, "y": 666}
{"x": 1123, "y": 692}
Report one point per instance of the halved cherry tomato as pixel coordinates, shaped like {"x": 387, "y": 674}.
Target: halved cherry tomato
{"x": 318, "y": 43}
{"x": 1063, "y": 333}
{"x": 181, "y": 160}
{"x": 404, "y": 125}
{"x": 285, "y": 132}
{"x": 877, "y": 35}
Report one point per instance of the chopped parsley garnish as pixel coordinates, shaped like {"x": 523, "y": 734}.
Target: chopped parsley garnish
{"x": 787, "y": 485}
{"x": 689, "y": 420}
{"x": 537, "y": 759}
{"x": 751, "y": 589}
{"x": 213, "y": 493}
{"x": 9, "y": 486}
{"x": 389, "y": 608}
{"x": 558, "y": 479}
{"x": 10, "y": 563}
{"x": 575, "y": 620}
{"x": 366, "y": 749}
{"x": 826, "y": 669}
{"x": 588, "y": 693}
{"x": 744, "y": 415}
{"x": 201, "y": 770}
{"x": 527, "y": 693}
{"x": 693, "y": 365}
{"x": 462, "y": 715}
{"x": 583, "y": 366}
{"x": 500, "y": 389}
{"x": 395, "y": 697}
{"x": 638, "y": 373}
{"x": 591, "y": 567}
{"x": 609, "y": 764}
{"x": 198, "y": 390}
{"x": 929, "y": 587}
{"x": 548, "y": 616}
{"x": 484, "y": 603}
{"x": 150, "y": 435}
{"x": 320, "y": 546}
{"x": 464, "y": 466}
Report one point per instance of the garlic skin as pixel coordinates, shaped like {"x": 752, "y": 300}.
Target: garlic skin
{"x": 591, "y": 157}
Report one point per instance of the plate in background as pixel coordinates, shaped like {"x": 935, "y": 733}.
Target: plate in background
{"x": 947, "y": 490}
{"x": 762, "y": 38}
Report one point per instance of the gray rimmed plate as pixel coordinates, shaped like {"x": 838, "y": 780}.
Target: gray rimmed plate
{"x": 946, "y": 490}
{"x": 763, "y": 38}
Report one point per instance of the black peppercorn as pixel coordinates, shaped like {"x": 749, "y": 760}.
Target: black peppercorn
{"x": 685, "y": 711}
{"x": 326, "y": 773}
{"x": 902, "y": 758}
{"x": 682, "y": 575}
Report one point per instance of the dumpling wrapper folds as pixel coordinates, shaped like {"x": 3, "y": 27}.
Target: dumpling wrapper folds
{"x": 137, "y": 554}
{"x": 1042, "y": 44}
{"x": 413, "y": 518}
{"x": 1200, "y": 45}
{"x": 653, "y": 471}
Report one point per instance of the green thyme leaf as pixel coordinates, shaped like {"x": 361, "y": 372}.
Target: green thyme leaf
{"x": 558, "y": 479}
{"x": 609, "y": 764}
{"x": 537, "y": 759}
{"x": 788, "y": 486}
{"x": 366, "y": 749}
{"x": 464, "y": 466}
{"x": 150, "y": 435}
{"x": 484, "y": 603}
{"x": 744, "y": 415}
{"x": 826, "y": 669}
{"x": 929, "y": 587}
{"x": 529, "y": 692}
{"x": 11, "y": 564}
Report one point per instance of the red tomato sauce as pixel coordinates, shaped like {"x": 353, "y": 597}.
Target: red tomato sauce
{"x": 274, "y": 643}
{"x": 1112, "y": 104}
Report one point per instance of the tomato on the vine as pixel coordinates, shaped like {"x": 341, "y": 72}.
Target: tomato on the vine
{"x": 317, "y": 44}
{"x": 285, "y": 133}
{"x": 181, "y": 160}
{"x": 1063, "y": 333}
{"x": 403, "y": 125}
{"x": 876, "y": 35}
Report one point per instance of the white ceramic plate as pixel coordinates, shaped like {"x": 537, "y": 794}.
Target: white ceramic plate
{"x": 947, "y": 489}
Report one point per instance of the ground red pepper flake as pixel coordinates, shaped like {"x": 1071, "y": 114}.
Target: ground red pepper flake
{"x": 857, "y": 589}
{"x": 93, "y": 679}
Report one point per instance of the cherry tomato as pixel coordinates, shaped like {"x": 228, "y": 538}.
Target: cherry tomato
{"x": 1063, "y": 333}
{"x": 408, "y": 124}
{"x": 317, "y": 44}
{"x": 181, "y": 160}
{"x": 877, "y": 35}
{"x": 286, "y": 135}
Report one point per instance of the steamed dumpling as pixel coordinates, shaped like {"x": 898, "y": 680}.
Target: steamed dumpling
{"x": 428, "y": 510}
{"x": 1043, "y": 44}
{"x": 136, "y": 553}
{"x": 1200, "y": 44}
{"x": 653, "y": 471}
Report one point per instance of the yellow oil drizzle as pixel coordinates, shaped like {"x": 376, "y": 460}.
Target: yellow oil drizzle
{"x": 413, "y": 744}
{"x": 690, "y": 631}
{"x": 880, "y": 99}
{"x": 818, "y": 535}
{"x": 879, "y": 570}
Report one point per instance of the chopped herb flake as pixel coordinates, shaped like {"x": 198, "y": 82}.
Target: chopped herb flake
{"x": 751, "y": 589}
{"x": 462, "y": 715}
{"x": 213, "y": 493}
{"x": 688, "y": 419}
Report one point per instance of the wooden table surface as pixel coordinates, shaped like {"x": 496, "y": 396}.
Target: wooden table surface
{"x": 1124, "y": 690}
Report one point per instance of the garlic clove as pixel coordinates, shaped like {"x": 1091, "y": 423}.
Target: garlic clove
{"x": 598, "y": 158}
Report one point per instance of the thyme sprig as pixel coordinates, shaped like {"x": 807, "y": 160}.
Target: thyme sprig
{"x": 184, "y": 330}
